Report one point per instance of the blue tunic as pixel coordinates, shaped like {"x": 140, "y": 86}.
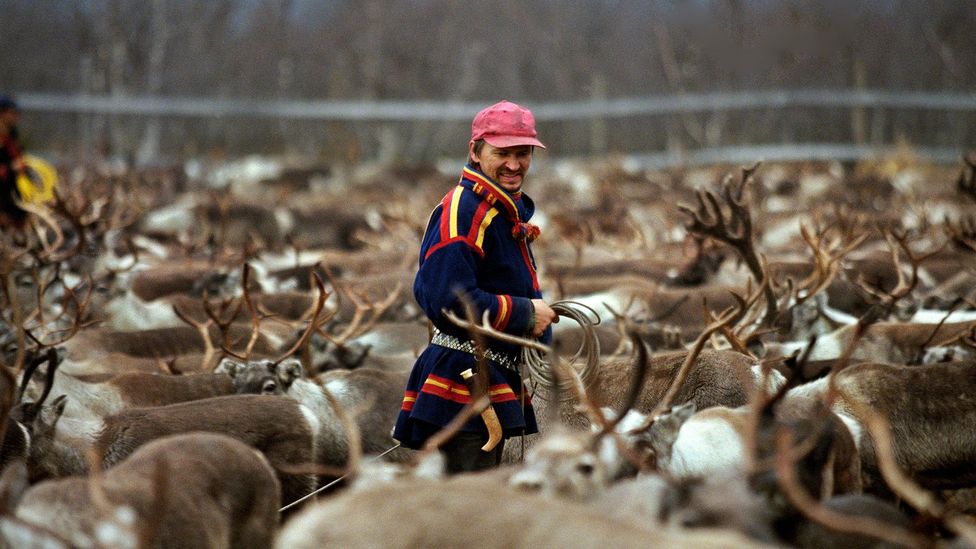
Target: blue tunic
{"x": 476, "y": 243}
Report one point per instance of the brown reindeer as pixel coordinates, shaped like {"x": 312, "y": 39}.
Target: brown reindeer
{"x": 929, "y": 408}
{"x": 282, "y": 429}
{"x": 373, "y": 397}
{"x": 191, "y": 490}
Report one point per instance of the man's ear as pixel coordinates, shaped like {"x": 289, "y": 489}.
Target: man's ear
{"x": 472, "y": 156}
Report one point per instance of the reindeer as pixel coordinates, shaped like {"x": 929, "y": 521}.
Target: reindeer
{"x": 372, "y": 396}
{"x": 719, "y": 440}
{"x": 197, "y": 489}
{"x": 929, "y": 408}
{"x": 92, "y": 397}
{"x": 366, "y": 519}
{"x": 286, "y": 432}
{"x": 891, "y": 342}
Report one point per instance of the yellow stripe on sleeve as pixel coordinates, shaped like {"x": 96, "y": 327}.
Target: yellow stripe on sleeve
{"x": 489, "y": 215}
{"x": 455, "y": 200}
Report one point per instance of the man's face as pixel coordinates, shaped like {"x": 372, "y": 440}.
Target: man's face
{"x": 506, "y": 166}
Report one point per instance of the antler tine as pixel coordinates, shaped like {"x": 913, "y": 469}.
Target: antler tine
{"x": 740, "y": 219}
{"x": 622, "y": 323}
{"x": 203, "y": 328}
{"x": 962, "y": 232}
{"x": 641, "y": 366}
{"x": 80, "y": 308}
{"x": 709, "y": 220}
{"x": 51, "y": 357}
{"x": 903, "y": 287}
{"x": 356, "y": 327}
{"x": 223, "y": 323}
{"x": 48, "y": 249}
{"x": 312, "y": 323}
{"x": 785, "y": 469}
{"x": 827, "y": 257}
{"x": 61, "y": 206}
{"x": 255, "y": 316}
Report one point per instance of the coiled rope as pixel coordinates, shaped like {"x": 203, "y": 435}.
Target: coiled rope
{"x": 539, "y": 370}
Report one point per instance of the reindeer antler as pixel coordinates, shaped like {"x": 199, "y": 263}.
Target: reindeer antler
{"x": 314, "y": 323}
{"x": 903, "y": 287}
{"x": 827, "y": 257}
{"x": 962, "y": 232}
{"x": 209, "y": 351}
{"x": 359, "y": 324}
{"x": 709, "y": 220}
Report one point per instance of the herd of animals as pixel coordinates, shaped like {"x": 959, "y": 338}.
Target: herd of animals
{"x": 776, "y": 355}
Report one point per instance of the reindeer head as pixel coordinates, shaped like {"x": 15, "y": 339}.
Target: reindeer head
{"x": 254, "y": 377}
{"x": 664, "y": 431}
{"x": 563, "y": 464}
{"x": 335, "y": 356}
{"x": 266, "y": 377}
{"x": 41, "y": 422}
{"x": 717, "y": 501}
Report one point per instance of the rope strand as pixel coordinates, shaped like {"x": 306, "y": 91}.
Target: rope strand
{"x": 333, "y": 483}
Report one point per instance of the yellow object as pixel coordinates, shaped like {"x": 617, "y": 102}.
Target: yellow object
{"x": 38, "y": 181}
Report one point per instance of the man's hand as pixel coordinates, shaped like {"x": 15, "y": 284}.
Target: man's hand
{"x": 544, "y": 316}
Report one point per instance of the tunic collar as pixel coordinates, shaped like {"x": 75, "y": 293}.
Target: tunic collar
{"x": 517, "y": 206}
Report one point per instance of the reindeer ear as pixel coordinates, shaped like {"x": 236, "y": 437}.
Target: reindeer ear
{"x": 229, "y": 367}
{"x": 683, "y": 412}
{"x": 289, "y": 370}
{"x": 58, "y": 404}
{"x": 49, "y": 415}
{"x": 356, "y": 354}
{"x": 666, "y": 426}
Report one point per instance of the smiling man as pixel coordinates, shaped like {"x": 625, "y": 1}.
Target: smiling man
{"x": 477, "y": 244}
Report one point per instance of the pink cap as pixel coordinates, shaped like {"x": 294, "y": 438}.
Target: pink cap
{"x": 505, "y": 124}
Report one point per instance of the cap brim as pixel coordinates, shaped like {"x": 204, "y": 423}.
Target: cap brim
{"x": 502, "y": 141}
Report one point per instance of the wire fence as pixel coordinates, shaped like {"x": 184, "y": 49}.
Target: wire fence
{"x": 338, "y": 110}
{"x": 656, "y": 131}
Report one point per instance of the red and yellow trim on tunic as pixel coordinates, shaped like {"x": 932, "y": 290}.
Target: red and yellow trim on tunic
{"x": 492, "y": 190}
{"x": 492, "y": 194}
{"x": 504, "y": 313}
{"x": 456, "y": 392}
{"x": 450, "y": 230}
{"x": 409, "y": 398}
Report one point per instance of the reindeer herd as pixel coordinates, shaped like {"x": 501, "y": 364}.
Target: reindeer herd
{"x": 781, "y": 355}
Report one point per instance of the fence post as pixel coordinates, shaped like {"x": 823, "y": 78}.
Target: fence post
{"x": 599, "y": 134}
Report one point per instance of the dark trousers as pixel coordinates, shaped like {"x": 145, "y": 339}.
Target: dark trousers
{"x": 10, "y": 212}
{"x": 463, "y": 453}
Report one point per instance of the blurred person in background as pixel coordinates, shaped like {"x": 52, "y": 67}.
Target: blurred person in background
{"x": 477, "y": 245}
{"x": 11, "y": 165}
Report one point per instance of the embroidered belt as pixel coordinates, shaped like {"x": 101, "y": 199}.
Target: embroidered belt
{"x": 444, "y": 340}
